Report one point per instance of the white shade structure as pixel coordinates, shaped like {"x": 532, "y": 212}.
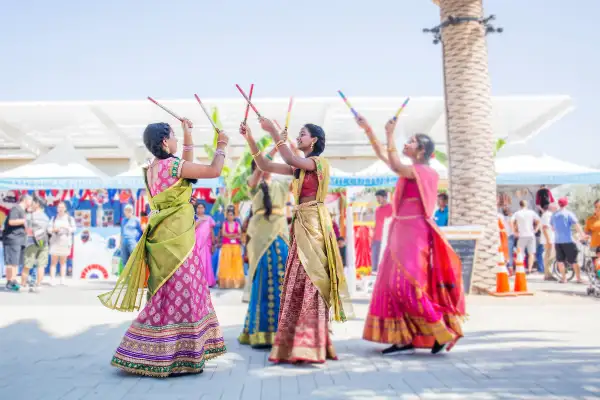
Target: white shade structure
{"x": 63, "y": 167}
{"x": 521, "y": 164}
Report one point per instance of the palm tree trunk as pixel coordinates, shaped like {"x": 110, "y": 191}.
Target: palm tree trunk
{"x": 470, "y": 135}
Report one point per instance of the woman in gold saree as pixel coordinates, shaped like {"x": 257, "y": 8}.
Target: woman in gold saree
{"x": 177, "y": 330}
{"x": 314, "y": 284}
{"x": 267, "y": 253}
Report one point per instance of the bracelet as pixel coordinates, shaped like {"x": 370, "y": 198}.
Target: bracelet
{"x": 222, "y": 141}
{"x": 392, "y": 149}
{"x": 375, "y": 142}
{"x": 188, "y": 147}
{"x": 256, "y": 154}
{"x": 279, "y": 144}
{"x": 219, "y": 152}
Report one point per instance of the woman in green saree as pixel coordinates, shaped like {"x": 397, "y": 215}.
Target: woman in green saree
{"x": 177, "y": 330}
{"x": 314, "y": 285}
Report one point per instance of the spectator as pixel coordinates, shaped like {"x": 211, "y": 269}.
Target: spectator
{"x": 36, "y": 252}
{"x": 13, "y": 239}
{"x": 131, "y": 231}
{"x": 507, "y": 214}
{"x": 525, "y": 224}
{"x": 381, "y": 213}
{"x": 62, "y": 228}
{"x": 441, "y": 214}
{"x": 566, "y": 250}
{"x": 543, "y": 197}
{"x": 547, "y": 240}
{"x": 592, "y": 228}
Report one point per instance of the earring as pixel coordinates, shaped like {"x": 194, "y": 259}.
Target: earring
{"x": 312, "y": 146}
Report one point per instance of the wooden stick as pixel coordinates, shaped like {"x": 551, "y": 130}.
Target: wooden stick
{"x": 165, "y": 108}
{"x": 207, "y": 114}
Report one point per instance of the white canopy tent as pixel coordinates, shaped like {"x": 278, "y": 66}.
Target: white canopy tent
{"x": 63, "y": 167}
{"x": 133, "y": 178}
{"x": 521, "y": 164}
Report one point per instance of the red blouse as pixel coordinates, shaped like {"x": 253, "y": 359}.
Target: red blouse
{"x": 310, "y": 185}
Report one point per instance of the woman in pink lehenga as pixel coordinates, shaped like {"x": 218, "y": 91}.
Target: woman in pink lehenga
{"x": 177, "y": 330}
{"x": 418, "y": 298}
{"x": 205, "y": 238}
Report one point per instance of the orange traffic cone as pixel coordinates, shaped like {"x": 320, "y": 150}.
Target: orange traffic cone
{"x": 502, "y": 284}
{"x": 520, "y": 277}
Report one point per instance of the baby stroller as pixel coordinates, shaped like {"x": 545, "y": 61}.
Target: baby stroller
{"x": 591, "y": 267}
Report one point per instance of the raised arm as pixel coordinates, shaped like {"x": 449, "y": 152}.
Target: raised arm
{"x": 256, "y": 176}
{"x": 290, "y": 158}
{"x": 377, "y": 146}
{"x": 395, "y": 163}
{"x": 188, "y": 142}
{"x": 264, "y": 163}
{"x": 192, "y": 170}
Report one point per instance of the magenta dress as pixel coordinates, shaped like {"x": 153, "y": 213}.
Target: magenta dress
{"x": 204, "y": 241}
{"x": 418, "y": 296}
{"x": 177, "y": 330}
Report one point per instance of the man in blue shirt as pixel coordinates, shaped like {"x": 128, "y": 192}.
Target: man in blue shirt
{"x": 441, "y": 214}
{"x": 566, "y": 250}
{"x": 131, "y": 231}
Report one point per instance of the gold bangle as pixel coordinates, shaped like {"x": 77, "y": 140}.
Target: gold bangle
{"x": 392, "y": 149}
{"x": 256, "y": 154}
{"x": 375, "y": 142}
{"x": 279, "y": 144}
{"x": 222, "y": 141}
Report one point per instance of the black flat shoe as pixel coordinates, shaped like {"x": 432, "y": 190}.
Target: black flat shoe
{"x": 392, "y": 350}
{"x": 438, "y": 347}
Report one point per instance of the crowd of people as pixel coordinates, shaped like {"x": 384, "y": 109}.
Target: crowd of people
{"x": 545, "y": 234}
{"x": 29, "y": 237}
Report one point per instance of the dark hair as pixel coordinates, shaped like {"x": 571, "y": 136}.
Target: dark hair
{"x": 315, "y": 132}
{"x": 425, "y": 143}
{"x": 230, "y": 210}
{"x": 153, "y": 137}
{"x": 523, "y": 203}
{"x": 596, "y": 202}
{"x": 267, "y": 202}
{"x": 381, "y": 193}
{"x": 443, "y": 196}
{"x": 39, "y": 201}
{"x": 198, "y": 204}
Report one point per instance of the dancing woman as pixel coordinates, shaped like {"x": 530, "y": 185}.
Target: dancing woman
{"x": 267, "y": 254}
{"x": 314, "y": 283}
{"x": 418, "y": 299}
{"x": 177, "y": 330}
{"x": 205, "y": 239}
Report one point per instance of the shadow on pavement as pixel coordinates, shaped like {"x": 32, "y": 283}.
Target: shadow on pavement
{"x": 511, "y": 364}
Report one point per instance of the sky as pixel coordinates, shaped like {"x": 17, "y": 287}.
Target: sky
{"x": 123, "y": 50}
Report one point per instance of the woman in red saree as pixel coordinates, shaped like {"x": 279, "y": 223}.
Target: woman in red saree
{"x": 418, "y": 298}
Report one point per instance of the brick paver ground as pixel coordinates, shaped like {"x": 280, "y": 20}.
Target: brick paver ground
{"x": 57, "y": 345}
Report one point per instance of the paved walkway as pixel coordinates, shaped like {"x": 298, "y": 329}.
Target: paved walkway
{"x": 57, "y": 345}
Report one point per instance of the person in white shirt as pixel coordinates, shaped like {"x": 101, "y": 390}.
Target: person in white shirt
{"x": 525, "y": 224}
{"x": 547, "y": 239}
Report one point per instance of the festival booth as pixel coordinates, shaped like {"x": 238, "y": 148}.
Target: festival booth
{"x": 521, "y": 169}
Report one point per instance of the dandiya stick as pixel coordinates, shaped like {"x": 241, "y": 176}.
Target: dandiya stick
{"x": 289, "y": 113}
{"x": 401, "y": 108}
{"x": 165, "y": 108}
{"x": 248, "y": 100}
{"x": 248, "y": 105}
{"x": 348, "y": 103}
{"x": 207, "y": 114}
